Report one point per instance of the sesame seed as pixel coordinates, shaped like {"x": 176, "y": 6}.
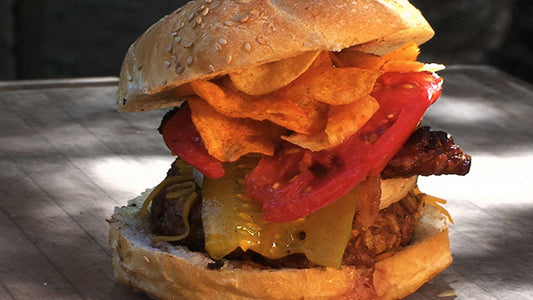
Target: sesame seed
{"x": 129, "y": 77}
{"x": 247, "y": 47}
{"x": 208, "y": 1}
{"x": 260, "y": 40}
{"x": 178, "y": 10}
{"x": 174, "y": 58}
{"x": 182, "y": 24}
{"x": 276, "y": 185}
{"x": 169, "y": 48}
{"x": 191, "y": 16}
{"x": 205, "y": 11}
{"x": 228, "y": 23}
{"x": 190, "y": 60}
{"x": 218, "y": 47}
{"x": 167, "y": 64}
{"x": 211, "y": 68}
{"x": 188, "y": 45}
{"x": 175, "y": 33}
{"x": 240, "y": 18}
{"x": 177, "y": 39}
{"x": 139, "y": 67}
{"x": 229, "y": 58}
{"x": 199, "y": 19}
{"x": 179, "y": 69}
{"x": 294, "y": 178}
{"x": 222, "y": 41}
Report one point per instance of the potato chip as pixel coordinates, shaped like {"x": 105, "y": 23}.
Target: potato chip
{"x": 353, "y": 58}
{"x": 362, "y": 60}
{"x": 433, "y": 67}
{"x": 408, "y": 52}
{"x": 227, "y": 139}
{"x": 272, "y": 76}
{"x": 335, "y": 86}
{"x": 346, "y": 120}
{"x": 314, "y": 142}
{"x": 323, "y": 60}
{"x": 295, "y": 112}
{"x": 343, "y": 122}
{"x": 402, "y": 66}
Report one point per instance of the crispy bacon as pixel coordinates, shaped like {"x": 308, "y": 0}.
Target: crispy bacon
{"x": 428, "y": 153}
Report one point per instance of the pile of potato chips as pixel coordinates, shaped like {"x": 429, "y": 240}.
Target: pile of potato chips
{"x": 315, "y": 100}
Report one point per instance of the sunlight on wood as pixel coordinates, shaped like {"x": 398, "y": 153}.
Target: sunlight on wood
{"x": 484, "y": 184}
{"x": 129, "y": 175}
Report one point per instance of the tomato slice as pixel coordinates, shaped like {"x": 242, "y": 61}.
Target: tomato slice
{"x": 295, "y": 182}
{"x": 182, "y": 138}
{"x": 404, "y": 99}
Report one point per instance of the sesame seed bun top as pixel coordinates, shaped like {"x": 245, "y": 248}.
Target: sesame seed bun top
{"x": 208, "y": 38}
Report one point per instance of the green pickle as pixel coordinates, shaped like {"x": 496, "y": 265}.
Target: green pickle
{"x": 231, "y": 220}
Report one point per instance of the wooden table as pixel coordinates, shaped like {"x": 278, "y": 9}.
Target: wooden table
{"x": 67, "y": 158}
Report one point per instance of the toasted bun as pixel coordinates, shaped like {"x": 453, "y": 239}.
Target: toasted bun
{"x": 173, "y": 272}
{"x": 207, "y": 38}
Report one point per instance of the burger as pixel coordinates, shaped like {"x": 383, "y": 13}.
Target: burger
{"x": 296, "y": 129}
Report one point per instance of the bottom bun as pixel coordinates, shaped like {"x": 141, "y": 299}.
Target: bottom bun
{"x": 173, "y": 272}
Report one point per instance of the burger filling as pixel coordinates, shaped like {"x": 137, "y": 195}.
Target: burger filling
{"x": 237, "y": 231}
{"x": 293, "y": 175}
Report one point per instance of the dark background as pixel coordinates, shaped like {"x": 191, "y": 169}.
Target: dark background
{"x": 86, "y": 38}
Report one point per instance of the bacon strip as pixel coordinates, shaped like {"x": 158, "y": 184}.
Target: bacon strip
{"x": 428, "y": 153}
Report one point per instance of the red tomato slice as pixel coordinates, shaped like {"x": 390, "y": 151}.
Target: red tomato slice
{"x": 404, "y": 99}
{"x": 296, "y": 181}
{"x": 182, "y": 138}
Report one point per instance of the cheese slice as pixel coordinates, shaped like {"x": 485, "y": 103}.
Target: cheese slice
{"x": 233, "y": 220}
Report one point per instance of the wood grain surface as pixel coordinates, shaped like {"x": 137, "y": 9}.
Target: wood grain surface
{"x": 67, "y": 158}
